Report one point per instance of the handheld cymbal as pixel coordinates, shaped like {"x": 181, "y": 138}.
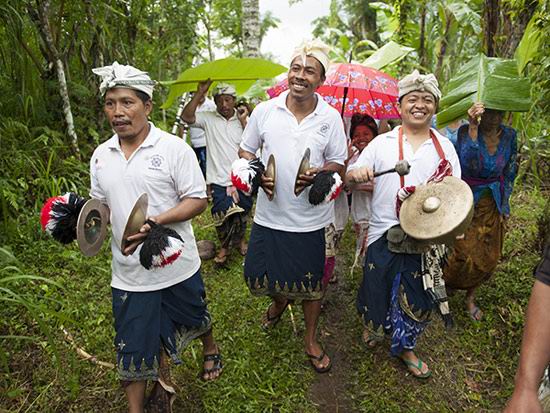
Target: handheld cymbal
{"x": 136, "y": 219}
{"x": 91, "y": 227}
{"x": 304, "y": 166}
{"x": 271, "y": 172}
{"x": 438, "y": 212}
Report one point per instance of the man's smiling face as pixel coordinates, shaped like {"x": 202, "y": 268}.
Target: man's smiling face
{"x": 417, "y": 108}
{"x": 303, "y": 80}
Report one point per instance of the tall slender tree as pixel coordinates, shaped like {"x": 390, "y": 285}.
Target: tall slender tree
{"x": 250, "y": 28}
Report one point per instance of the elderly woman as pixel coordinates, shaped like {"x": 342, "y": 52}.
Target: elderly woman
{"x": 487, "y": 150}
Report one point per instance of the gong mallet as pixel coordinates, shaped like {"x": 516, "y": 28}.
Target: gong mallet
{"x": 401, "y": 167}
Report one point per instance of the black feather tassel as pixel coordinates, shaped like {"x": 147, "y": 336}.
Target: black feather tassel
{"x": 162, "y": 247}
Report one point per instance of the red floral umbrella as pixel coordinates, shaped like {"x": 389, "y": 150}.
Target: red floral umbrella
{"x": 365, "y": 90}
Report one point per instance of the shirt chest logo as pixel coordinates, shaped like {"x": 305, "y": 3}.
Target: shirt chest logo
{"x": 155, "y": 162}
{"x": 323, "y": 129}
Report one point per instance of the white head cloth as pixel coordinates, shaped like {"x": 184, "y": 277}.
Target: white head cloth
{"x": 225, "y": 89}
{"x": 417, "y": 82}
{"x": 118, "y": 75}
{"x": 314, "y": 48}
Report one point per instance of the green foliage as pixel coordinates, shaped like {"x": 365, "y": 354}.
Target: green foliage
{"x": 490, "y": 80}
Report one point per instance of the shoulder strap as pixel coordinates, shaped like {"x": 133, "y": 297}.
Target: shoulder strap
{"x": 435, "y": 141}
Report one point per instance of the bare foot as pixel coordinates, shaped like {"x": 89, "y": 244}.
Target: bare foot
{"x": 221, "y": 256}
{"x": 243, "y": 247}
{"x": 369, "y": 339}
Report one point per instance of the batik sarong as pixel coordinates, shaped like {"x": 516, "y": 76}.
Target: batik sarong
{"x": 230, "y": 218}
{"x": 392, "y": 299}
{"x": 289, "y": 264}
{"x": 474, "y": 258}
{"x": 145, "y": 321}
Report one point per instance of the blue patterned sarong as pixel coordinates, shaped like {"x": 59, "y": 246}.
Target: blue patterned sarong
{"x": 391, "y": 299}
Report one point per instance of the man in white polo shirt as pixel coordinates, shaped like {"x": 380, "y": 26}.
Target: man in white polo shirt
{"x": 197, "y": 136}
{"x": 157, "y": 312}
{"x": 392, "y": 298}
{"x": 286, "y": 252}
{"x": 223, "y": 131}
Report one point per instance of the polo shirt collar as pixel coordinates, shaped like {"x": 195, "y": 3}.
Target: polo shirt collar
{"x": 151, "y": 139}
{"x": 320, "y": 108}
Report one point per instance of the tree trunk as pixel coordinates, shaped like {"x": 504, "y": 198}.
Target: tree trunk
{"x": 251, "y": 28}
{"x": 444, "y": 44}
{"x": 491, "y": 26}
{"x": 513, "y": 29}
{"x": 55, "y": 58}
{"x": 422, "y": 47}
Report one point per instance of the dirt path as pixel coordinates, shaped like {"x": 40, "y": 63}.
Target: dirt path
{"x": 330, "y": 390}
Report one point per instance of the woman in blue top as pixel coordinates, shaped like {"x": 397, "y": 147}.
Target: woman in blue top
{"x": 487, "y": 150}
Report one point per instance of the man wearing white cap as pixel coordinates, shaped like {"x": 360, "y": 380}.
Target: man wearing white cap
{"x": 286, "y": 251}
{"x": 393, "y": 299}
{"x": 156, "y": 312}
{"x": 223, "y": 131}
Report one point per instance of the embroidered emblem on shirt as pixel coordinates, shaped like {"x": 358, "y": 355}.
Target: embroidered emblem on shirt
{"x": 324, "y": 129}
{"x": 156, "y": 162}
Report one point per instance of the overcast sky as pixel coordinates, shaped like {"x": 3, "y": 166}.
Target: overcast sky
{"x": 294, "y": 27}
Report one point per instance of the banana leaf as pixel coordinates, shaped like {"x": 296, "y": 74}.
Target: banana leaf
{"x": 390, "y": 53}
{"x": 490, "y": 80}
{"x": 242, "y": 73}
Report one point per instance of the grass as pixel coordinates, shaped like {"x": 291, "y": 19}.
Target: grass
{"x": 473, "y": 364}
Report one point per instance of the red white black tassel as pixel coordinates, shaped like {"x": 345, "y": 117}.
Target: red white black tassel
{"x": 162, "y": 247}
{"x": 326, "y": 187}
{"x": 59, "y": 216}
{"x": 246, "y": 175}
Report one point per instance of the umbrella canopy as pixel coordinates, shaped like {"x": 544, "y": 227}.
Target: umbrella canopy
{"x": 242, "y": 73}
{"x": 366, "y": 90}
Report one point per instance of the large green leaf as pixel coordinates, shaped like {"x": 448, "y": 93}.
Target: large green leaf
{"x": 528, "y": 47}
{"x": 390, "y": 53}
{"x": 240, "y": 72}
{"x": 490, "y": 80}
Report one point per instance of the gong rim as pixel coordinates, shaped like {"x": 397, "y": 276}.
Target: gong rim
{"x": 448, "y": 220}
{"x": 93, "y": 208}
{"x": 304, "y": 166}
{"x": 136, "y": 219}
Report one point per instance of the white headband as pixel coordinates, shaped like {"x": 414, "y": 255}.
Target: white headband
{"x": 417, "y": 82}
{"x": 314, "y": 48}
{"x": 118, "y": 75}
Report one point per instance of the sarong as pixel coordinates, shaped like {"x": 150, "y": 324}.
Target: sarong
{"x": 475, "y": 257}
{"x": 145, "y": 321}
{"x": 288, "y": 264}
{"x": 391, "y": 299}
{"x": 230, "y": 219}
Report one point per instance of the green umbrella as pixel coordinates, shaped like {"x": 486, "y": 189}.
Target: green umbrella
{"x": 491, "y": 80}
{"x": 242, "y": 73}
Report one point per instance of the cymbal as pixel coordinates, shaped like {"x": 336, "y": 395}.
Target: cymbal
{"x": 136, "y": 219}
{"x": 438, "y": 212}
{"x": 271, "y": 172}
{"x": 91, "y": 227}
{"x": 304, "y": 166}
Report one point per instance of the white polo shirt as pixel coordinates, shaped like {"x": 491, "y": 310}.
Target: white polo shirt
{"x": 223, "y": 137}
{"x": 164, "y": 167}
{"x": 275, "y": 129}
{"x": 383, "y": 153}
{"x": 197, "y": 136}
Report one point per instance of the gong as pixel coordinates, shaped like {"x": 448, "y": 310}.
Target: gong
{"x": 438, "y": 212}
{"x": 136, "y": 219}
{"x": 91, "y": 227}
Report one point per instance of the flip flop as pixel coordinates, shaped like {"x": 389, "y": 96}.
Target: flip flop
{"x": 271, "y": 321}
{"x": 319, "y": 358}
{"x": 475, "y": 313}
{"x": 410, "y": 365}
